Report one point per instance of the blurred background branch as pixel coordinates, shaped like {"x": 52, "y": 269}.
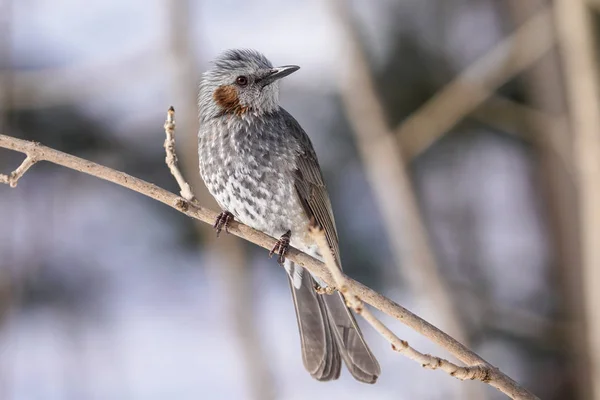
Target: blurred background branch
{"x": 476, "y": 84}
{"x": 384, "y": 163}
{"x": 575, "y": 33}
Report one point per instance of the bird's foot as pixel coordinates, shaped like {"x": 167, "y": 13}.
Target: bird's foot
{"x": 223, "y": 221}
{"x": 281, "y": 247}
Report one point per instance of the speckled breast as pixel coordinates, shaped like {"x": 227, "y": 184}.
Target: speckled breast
{"x": 249, "y": 171}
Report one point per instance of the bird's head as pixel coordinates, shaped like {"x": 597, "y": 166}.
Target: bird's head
{"x": 241, "y": 82}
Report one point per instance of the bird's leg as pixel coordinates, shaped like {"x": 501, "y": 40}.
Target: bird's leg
{"x": 281, "y": 247}
{"x": 223, "y": 221}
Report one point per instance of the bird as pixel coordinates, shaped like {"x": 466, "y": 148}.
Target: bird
{"x": 261, "y": 168}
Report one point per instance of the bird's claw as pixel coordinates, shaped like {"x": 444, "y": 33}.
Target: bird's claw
{"x": 281, "y": 247}
{"x": 223, "y": 220}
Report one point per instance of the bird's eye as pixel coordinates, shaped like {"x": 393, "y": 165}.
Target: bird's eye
{"x": 241, "y": 80}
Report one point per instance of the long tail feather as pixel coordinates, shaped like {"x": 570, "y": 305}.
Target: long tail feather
{"x": 329, "y": 333}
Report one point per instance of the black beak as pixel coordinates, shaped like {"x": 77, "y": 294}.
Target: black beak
{"x": 278, "y": 73}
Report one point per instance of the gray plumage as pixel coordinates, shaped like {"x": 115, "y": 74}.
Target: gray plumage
{"x": 260, "y": 166}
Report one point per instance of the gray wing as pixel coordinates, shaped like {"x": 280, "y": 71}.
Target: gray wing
{"x": 315, "y": 200}
{"x": 311, "y": 190}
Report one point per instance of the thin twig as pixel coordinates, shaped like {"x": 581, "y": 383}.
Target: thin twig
{"x": 14, "y": 176}
{"x": 493, "y": 376}
{"x": 171, "y": 157}
{"x": 477, "y": 372}
{"x": 338, "y": 276}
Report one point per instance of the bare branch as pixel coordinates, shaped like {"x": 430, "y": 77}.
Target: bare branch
{"x": 171, "y": 157}
{"x": 478, "y": 372}
{"x": 14, "y": 176}
{"x": 493, "y": 376}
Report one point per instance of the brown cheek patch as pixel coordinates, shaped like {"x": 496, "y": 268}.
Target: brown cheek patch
{"x": 226, "y": 97}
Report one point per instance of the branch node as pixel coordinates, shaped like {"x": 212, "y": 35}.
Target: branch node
{"x": 343, "y": 289}
{"x": 182, "y": 204}
{"x": 403, "y": 345}
{"x": 486, "y": 373}
{"x": 328, "y": 290}
{"x": 434, "y": 363}
{"x": 14, "y": 176}
{"x": 358, "y": 308}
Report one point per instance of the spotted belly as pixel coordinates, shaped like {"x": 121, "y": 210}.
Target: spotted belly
{"x": 270, "y": 208}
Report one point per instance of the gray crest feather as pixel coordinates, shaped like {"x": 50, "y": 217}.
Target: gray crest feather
{"x": 241, "y": 58}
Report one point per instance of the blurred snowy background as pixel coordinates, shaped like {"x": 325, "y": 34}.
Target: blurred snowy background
{"x": 105, "y": 294}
